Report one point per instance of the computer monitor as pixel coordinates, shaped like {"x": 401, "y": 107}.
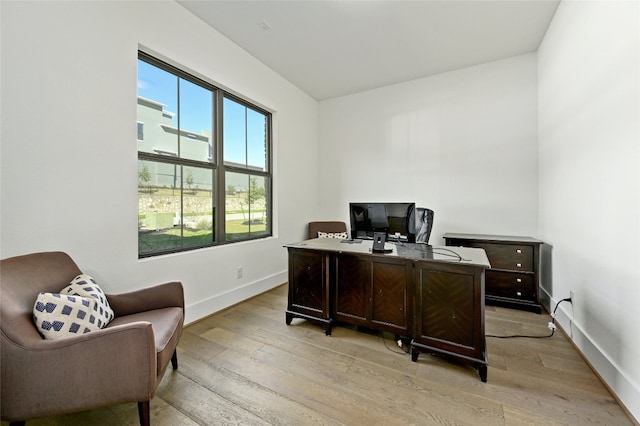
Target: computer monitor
{"x": 396, "y": 220}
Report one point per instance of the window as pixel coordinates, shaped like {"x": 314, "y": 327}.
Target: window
{"x": 204, "y": 173}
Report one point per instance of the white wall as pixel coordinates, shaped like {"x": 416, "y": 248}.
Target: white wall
{"x": 462, "y": 143}
{"x": 69, "y": 168}
{"x": 589, "y": 137}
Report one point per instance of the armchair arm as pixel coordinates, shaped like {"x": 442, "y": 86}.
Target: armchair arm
{"x": 157, "y": 297}
{"x": 105, "y": 367}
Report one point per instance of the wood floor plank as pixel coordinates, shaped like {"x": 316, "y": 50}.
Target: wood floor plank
{"x": 574, "y": 365}
{"x": 202, "y": 405}
{"x": 421, "y": 400}
{"x": 334, "y": 362}
{"x": 584, "y": 379}
{"x": 325, "y": 396}
{"x": 243, "y": 392}
{"x": 516, "y": 417}
{"x": 163, "y": 413}
{"x": 232, "y": 340}
{"x": 561, "y": 402}
{"x": 199, "y": 345}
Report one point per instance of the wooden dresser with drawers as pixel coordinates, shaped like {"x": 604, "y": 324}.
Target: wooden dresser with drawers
{"x": 514, "y": 278}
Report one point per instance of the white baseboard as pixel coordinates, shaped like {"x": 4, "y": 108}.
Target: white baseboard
{"x": 623, "y": 388}
{"x": 211, "y": 305}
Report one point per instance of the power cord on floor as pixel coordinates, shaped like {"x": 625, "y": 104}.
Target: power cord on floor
{"x": 551, "y": 325}
{"x": 405, "y": 348}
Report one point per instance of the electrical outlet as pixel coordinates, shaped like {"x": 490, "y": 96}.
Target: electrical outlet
{"x": 239, "y": 272}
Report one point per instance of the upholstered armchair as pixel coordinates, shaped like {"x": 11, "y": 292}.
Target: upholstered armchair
{"x": 325, "y": 226}
{"x": 121, "y": 363}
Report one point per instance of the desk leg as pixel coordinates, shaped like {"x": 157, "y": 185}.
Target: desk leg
{"x": 478, "y": 364}
{"x": 327, "y": 329}
{"x": 482, "y": 370}
{"x": 414, "y": 353}
{"x": 326, "y": 323}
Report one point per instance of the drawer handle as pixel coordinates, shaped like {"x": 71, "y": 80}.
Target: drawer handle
{"x": 519, "y": 265}
{"x": 518, "y": 251}
{"x": 518, "y": 280}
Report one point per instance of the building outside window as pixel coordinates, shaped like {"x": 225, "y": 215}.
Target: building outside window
{"x": 187, "y": 197}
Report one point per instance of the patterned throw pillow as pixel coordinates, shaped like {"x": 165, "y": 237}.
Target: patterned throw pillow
{"x": 58, "y": 316}
{"x": 341, "y": 235}
{"x": 85, "y": 286}
{"x": 79, "y": 308}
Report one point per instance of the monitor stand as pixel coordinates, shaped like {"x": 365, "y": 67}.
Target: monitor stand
{"x": 378, "y": 243}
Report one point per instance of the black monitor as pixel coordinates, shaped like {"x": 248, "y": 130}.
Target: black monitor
{"x": 391, "y": 218}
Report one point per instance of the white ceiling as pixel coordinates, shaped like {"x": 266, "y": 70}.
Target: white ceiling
{"x": 332, "y": 48}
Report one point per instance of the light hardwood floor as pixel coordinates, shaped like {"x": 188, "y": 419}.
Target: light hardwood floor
{"x": 245, "y": 366}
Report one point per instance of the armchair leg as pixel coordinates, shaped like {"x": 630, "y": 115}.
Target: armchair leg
{"x": 174, "y": 360}
{"x": 143, "y": 413}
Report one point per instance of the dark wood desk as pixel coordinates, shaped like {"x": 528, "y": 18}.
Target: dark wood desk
{"x": 430, "y": 296}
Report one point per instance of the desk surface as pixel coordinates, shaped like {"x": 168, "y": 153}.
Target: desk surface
{"x": 496, "y": 238}
{"x": 462, "y": 255}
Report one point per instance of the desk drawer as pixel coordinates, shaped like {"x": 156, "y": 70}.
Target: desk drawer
{"x": 510, "y": 284}
{"x": 509, "y": 256}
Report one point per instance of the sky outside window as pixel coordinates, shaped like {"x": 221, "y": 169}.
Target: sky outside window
{"x": 243, "y": 128}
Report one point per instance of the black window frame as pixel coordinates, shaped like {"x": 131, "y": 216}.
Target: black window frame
{"x": 217, "y": 164}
